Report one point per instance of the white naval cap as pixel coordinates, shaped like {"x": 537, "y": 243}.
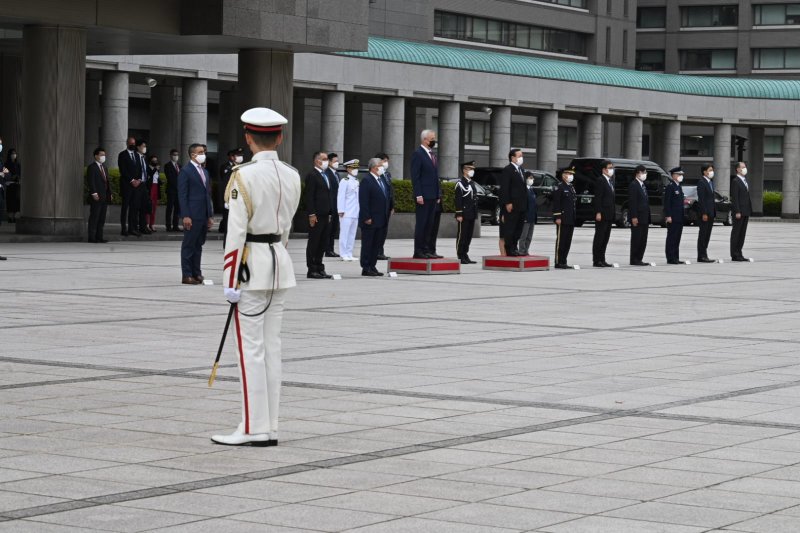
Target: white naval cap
{"x": 353, "y": 163}
{"x": 263, "y": 120}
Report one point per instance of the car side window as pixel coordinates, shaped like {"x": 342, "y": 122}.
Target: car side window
{"x": 538, "y": 180}
{"x": 655, "y": 182}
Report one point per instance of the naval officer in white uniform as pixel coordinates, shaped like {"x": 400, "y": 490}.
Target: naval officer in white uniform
{"x": 347, "y": 201}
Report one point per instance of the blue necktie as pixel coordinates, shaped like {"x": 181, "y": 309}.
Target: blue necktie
{"x": 383, "y": 188}
{"x": 327, "y": 183}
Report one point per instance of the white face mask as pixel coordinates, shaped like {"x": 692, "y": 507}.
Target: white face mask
{"x": 610, "y": 172}
{"x": 102, "y": 159}
{"x": 353, "y": 172}
{"x": 239, "y": 159}
{"x": 529, "y": 182}
{"x": 324, "y": 165}
{"x": 679, "y": 179}
{"x": 711, "y": 174}
{"x": 642, "y": 177}
{"x": 386, "y": 165}
{"x": 381, "y": 170}
{"x": 201, "y": 158}
{"x": 144, "y": 150}
{"x": 744, "y": 170}
{"x": 570, "y": 177}
{"x": 174, "y": 158}
{"x": 335, "y": 165}
{"x": 470, "y": 173}
{"x": 520, "y": 161}
{"x": 1, "y": 147}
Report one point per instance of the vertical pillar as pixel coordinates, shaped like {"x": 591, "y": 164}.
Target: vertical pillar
{"x": 54, "y": 84}
{"x": 411, "y": 138}
{"x": 266, "y": 80}
{"x": 353, "y": 145}
{"x": 499, "y": 136}
{"x": 12, "y": 103}
{"x": 114, "y": 130}
{"x": 633, "y": 138}
{"x": 790, "y": 208}
{"x": 722, "y": 158}
{"x": 547, "y": 141}
{"x": 92, "y": 126}
{"x": 333, "y": 122}
{"x": 671, "y": 144}
{"x": 194, "y": 121}
{"x": 163, "y": 128}
{"x": 394, "y": 126}
{"x": 449, "y": 140}
{"x": 755, "y": 164}
{"x": 231, "y": 134}
{"x": 591, "y": 136}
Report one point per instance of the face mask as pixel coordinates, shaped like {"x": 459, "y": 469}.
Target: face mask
{"x": 520, "y": 161}
{"x": 153, "y": 163}
{"x": 175, "y": 158}
{"x": 610, "y": 172}
{"x": 432, "y": 144}
{"x": 102, "y": 159}
{"x": 470, "y": 173}
{"x": 680, "y": 179}
{"x": 144, "y": 150}
{"x": 200, "y": 159}
{"x": 380, "y": 170}
{"x": 529, "y": 182}
{"x": 335, "y": 165}
{"x": 131, "y": 147}
{"x": 570, "y": 178}
{"x": 13, "y": 156}
{"x": 711, "y": 175}
{"x": 353, "y": 172}
{"x": 744, "y": 170}
{"x": 386, "y": 165}
{"x": 324, "y": 165}
{"x": 239, "y": 159}
{"x": 642, "y": 177}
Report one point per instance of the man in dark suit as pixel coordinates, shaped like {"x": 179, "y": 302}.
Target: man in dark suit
{"x": 235, "y": 157}
{"x": 171, "y": 170}
{"x": 531, "y": 215}
{"x": 427, "y": 193}
{"x": 564, "y": 216}
{"x": 742, "y": 208}
{"x": 333, "y": 179}
{"x": 387, "y": 181}
{"x": 373, "y": 205}
{"x": 513, "y": 200}
{"x": 99, "y": 195}
{"x": 320, "y": 210}
{"x": 140, "y": 193}
{"x": 639, "y": 215}
{"x": 194, "y": 196}
{"x": 129, "y": 173}
{"x": 605, "y": 211}
{"x": 673, "y": 215}
{"x": 708, "y": 211}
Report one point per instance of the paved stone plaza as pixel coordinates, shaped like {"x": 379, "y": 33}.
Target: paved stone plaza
{"x": 661, "y": 399}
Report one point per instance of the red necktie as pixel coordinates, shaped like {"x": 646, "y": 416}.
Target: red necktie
{"x": 433, "y": 158}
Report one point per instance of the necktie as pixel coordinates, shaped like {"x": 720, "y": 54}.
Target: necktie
{"x": 433, "y": 158}
{"x": 382, "y": 186}
{"x": 103, "y": 172}
{"x": 325, "y": 177}
{"x": 746, "y": 186}
{"x": 202, "y": 176}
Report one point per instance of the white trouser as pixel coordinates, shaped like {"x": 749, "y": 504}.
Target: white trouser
{"x": 258, "y": 348}
{"x": 347, "y": 235}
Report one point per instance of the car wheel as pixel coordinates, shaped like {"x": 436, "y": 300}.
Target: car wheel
{"x": 496, "y": 218}
{"x": 624, "y": 222}
{"x": 729, "y": 219}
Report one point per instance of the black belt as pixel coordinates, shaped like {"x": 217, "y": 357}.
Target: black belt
{"x": 268, "y": 238}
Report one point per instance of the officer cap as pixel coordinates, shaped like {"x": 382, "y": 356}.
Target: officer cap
{"x": 353, "y": 163}
{"x": 568, "y": 170}
{"x": 263, "y": 120}
{"x": 468, "y": 164}
{"x": 676, "y": 170}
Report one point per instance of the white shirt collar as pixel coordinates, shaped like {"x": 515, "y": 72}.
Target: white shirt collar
{"x": 426, "y": 148}
{"x": 374, "y": 176}
{"x": 741, "y": 177}
{"x": 707, "y": 179}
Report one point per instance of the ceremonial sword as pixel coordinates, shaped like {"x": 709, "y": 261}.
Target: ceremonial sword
{"x": 221, "y": 345}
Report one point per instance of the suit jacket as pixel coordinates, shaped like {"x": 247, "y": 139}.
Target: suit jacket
{"x": 604, "y": 202}
{"x": 638, "y": 202}
{"x": 128, "y": 170}
{"x": 740, "y": 198}
{"x": 424, "y": 175}
{"x": 153, "y": 176}
{"x": 318, "y": 195}
{"x": 98, "y": 183}
{"x": 172, "y": 177}
{"x": 372, "y": 203}
{"x": 387, "y": 181}
{"x": 673, "y": 201}
{"x": 513, "y": 189}
{"x": 333, "y": 179}
{"x": 530, "y": 216}
{"x": 194, "y": 197}
{"x": 705, "y": 198}
{"x": 564, "y": 204}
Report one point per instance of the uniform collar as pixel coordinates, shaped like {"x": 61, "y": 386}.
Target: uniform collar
{"x": 266, "y": 154}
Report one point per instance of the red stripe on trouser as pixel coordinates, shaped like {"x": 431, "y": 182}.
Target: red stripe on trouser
{"x": 244, "y": 374}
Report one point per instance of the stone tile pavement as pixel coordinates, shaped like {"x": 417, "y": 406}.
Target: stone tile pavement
{"x": 661, "y": 399}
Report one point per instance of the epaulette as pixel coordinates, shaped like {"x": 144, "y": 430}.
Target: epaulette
{"x": 237, "y": 167}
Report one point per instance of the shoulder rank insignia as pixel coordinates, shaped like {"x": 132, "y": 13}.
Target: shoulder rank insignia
{"x": 234, "y": 194}
{"x": 237, "y": 167}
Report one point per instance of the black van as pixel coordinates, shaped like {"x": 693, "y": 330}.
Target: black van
{"x": 587, "y": 173}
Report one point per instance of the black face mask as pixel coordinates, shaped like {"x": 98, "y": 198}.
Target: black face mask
{"x": 131, "y": 147}
{"x": 432, "y": 144}
{"x": 153, "y": 163}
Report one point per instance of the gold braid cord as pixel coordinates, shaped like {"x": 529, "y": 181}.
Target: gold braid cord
{"x": 238, "y": 184}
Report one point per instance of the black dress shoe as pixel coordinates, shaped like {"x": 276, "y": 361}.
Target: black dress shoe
{"x": 562, "y": 265}
{"x": 608, "y": 265}
{"x": 369, "y": 273}
{"x": 383, "y": 258}
{"x": 640, "y": 264}
{"x": 331, "y": 254}
{"x": 315, "y": 275}
{"x": 325, "y": 275}
{"x": 102, "y": 241}
{"x": 420, "y": 256}
{"x": 377, "y": 272}
{"x": 436, "y": 256}
{"x": 740, "y": 259}
{"x": 3, "y": 258}
{"x": 465, "y": 261}
{"x": 512, "y": 254}
{"x": 92, "y": 241}
{"x": 674, "y": 262}
{"x": 706, "y": 260}
{"x": 135, "y": 234}
{"x": 598, "y": 265}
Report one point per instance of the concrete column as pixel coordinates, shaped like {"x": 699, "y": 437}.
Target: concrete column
{"x": 333, "y": 122}
{"x": 671, "y": 144}
{"x": 633, "y": 138}
{"x": 298, "y": 133}
{"x": 194, "y": 120}
{"x": 92, "y": 134}
{"x": 449, "y": 140}
{"x": 164, "y": 128}
{"x": 547, "y": 141}
{"x": 231, "y": 134}
{"x": 591, "y": 130}
{"x": 114, "y": 130}
{"x": 266, "y": 80}
{"x": 790, "y": 208}
{"x": 12, "y": 104}
{"x": 500, "y": 136}
{"x": 722, "y": 158}
{"x": 394, "y": 127}
{"x": 53, "y": 102}
{"x": 411, "y": 137}
{"x": 755, "y": 164}
{"x": 656, "y": 143}
{"x": 353, "y": 145}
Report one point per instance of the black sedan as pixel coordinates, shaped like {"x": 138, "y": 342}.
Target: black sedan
{"x": 692, "y": 209}
{"x": 488, "y": 203}
{"x": 544, "y": 184}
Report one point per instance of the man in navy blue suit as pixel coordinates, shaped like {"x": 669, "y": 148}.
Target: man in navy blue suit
{"x": 708, "y": 211}
{"x": 194, "y": 197}
{"x": 673, "y": 215}
{"x": 425, "y": 181}
{"x": 373, "y": 205}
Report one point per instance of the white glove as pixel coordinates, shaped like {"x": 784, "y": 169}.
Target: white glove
{"x": 232, "y": 295}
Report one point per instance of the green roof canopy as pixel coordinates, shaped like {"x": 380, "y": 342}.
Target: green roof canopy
{"x": 536, "y": 67}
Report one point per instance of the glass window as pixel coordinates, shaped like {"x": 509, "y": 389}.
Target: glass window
{"x": 792, "y": 58}
{"x": 697, "y": 146}
{"x": 495, "y": 32}
{"x": 776, "y": 58}
{"x": 567, "y": 138}
{"x": 651, "y": 17}
{"x": 625, "y": 46}
{"x": 773, "y": 145}
{"x": 708, "y": 59}
{"x": 776, "y": 14}
{"x": 523, "y": 135}
{"x": 709, "y": 16}
{"x": 478, "y": 29}
{"x": 521, "y": 36}
{"x": 650, "y": 60}
{"x": 476, "y": 132}
{"x": 723, "y": 59}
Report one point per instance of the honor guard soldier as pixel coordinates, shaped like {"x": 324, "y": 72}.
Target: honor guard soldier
{"x": 564, "y": 216}
{"x": 466, "y": 211}
{"x": 347, "y": 204}
{"x": 262, "y": 197}
{"x": 673, "y": 215}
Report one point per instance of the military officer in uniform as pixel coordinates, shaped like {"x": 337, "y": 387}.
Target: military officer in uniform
{"x": 564, "y": 216}
{"x": 262, "y": 196}
{"x": 639, "y": 215}
{"x": 466, "y": 211}
{"x": 347, "y": 204}
{"x": 235, "y": 157}
{"x": 673, "y": 215}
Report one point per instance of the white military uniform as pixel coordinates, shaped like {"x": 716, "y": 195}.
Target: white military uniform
{"x": 347, "y": 202}
{"x": 262, "y": 198}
